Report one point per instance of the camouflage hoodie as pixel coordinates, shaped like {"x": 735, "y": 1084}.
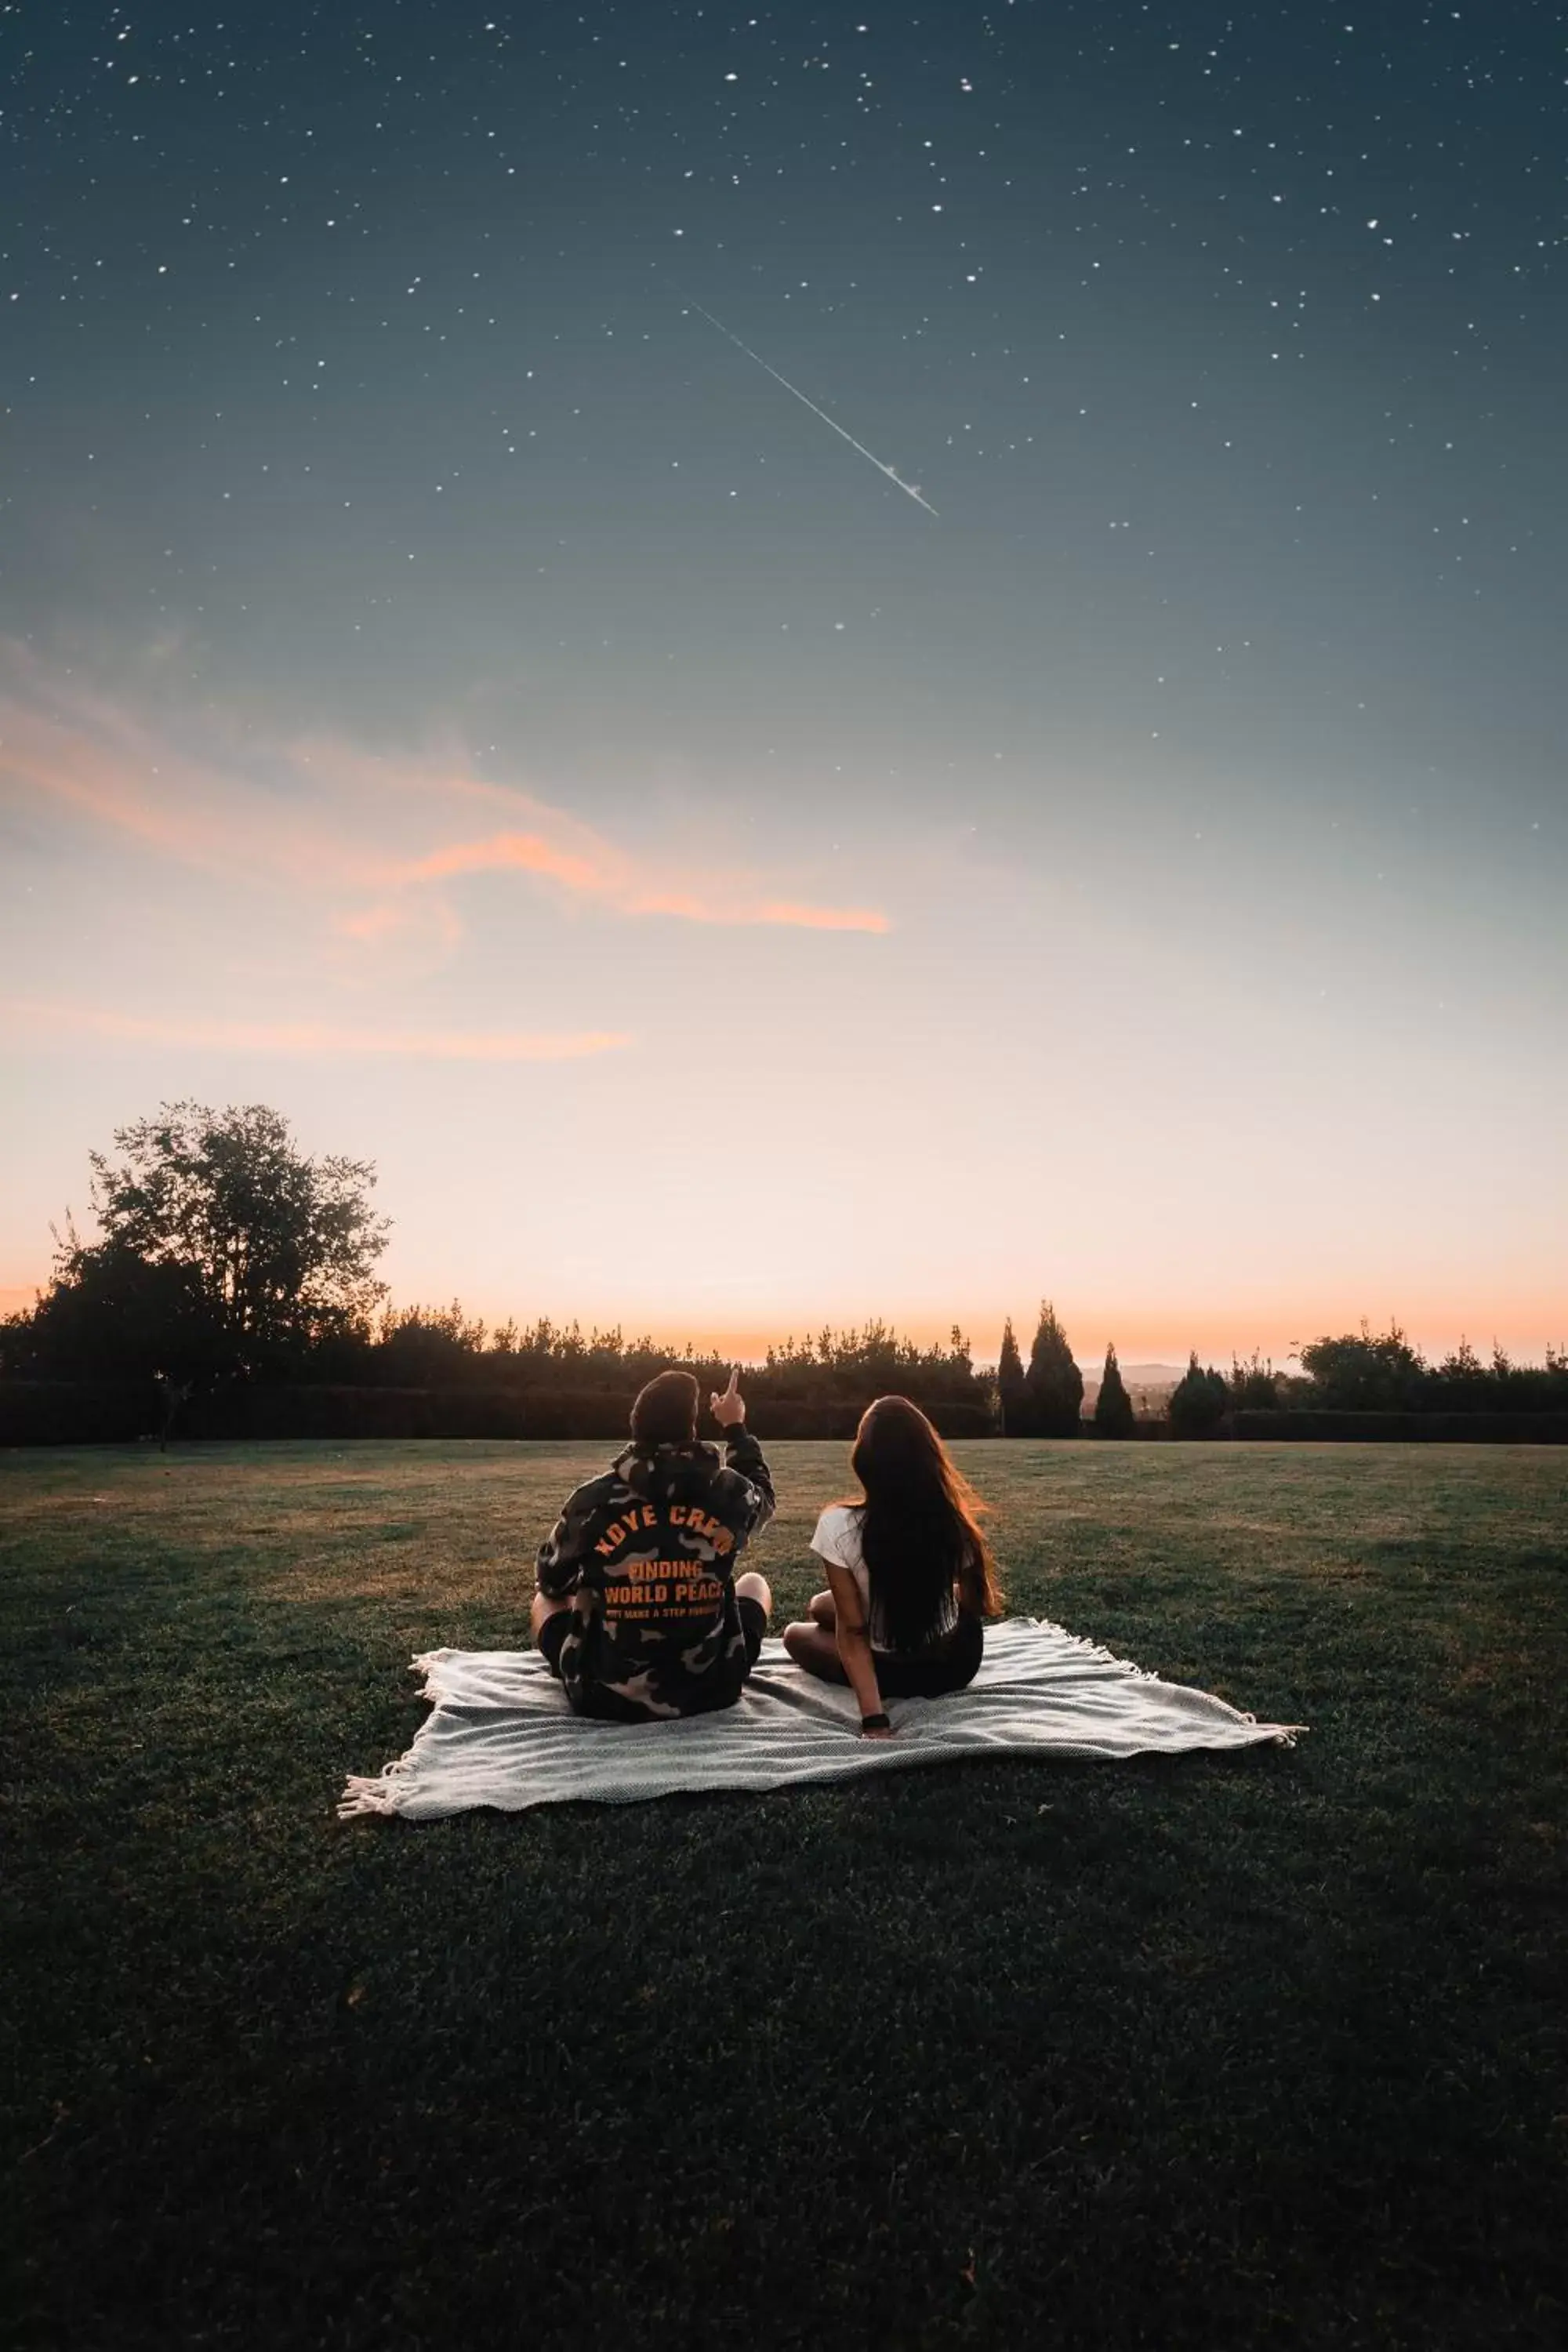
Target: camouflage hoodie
{"x": 647, "y": 1555}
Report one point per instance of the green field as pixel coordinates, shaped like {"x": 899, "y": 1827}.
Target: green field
{"x": 1259, "y": 2050}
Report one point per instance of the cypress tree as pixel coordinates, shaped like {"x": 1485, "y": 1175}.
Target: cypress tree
{"x": 1113, "y": 1406}
{"x": 1010, "y": 1386}
{"x": 1054, "y": 1382}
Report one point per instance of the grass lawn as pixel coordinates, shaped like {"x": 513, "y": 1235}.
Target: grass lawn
{"x": 1256, "y": 2049}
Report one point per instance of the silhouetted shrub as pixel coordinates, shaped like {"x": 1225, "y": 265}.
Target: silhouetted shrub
{"x": 1254, "y": 1386}
{"x": 1362, "y": 1374}
{"x": 1199, "y": 1400}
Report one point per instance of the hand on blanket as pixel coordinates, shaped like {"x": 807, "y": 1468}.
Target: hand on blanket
{"x": 876, "y": 1726}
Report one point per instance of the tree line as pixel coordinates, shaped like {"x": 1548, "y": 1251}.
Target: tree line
{"x": 224, "y": 1254}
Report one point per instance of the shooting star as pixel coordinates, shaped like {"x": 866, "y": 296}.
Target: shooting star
{"x": 909, "y": 490}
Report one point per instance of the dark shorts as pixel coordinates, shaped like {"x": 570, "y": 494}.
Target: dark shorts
{"x": 754, "y": 1626}
{"x": 952, "y": 1668}
{"x": 550, "y": 1638}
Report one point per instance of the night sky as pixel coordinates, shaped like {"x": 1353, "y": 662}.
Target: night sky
{"x": 452, "y": 691}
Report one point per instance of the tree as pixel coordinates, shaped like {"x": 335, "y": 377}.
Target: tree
{"x": 1253, "y": 1386}
{"x": 1010, "y": 1389}
{"x": 279, "y": 1246}
{"x": 1054, "y": 1382}
{"x": 421, "y": 1347}
{"x": 1113, "y": 1406}
{"x": 1362, "y": 1374}
{"x": 1199, "y": 1400}
{"x": 108, "y": 1314}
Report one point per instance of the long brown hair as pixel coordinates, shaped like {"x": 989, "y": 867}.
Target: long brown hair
{"x": 919, "y": 1528}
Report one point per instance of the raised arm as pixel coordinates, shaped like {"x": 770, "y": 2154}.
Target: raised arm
{"x": 742, "y": 1452}
{"x": 855, "y": 1656}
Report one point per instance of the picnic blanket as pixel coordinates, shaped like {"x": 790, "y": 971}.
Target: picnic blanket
{"x": 502, "y": 1734}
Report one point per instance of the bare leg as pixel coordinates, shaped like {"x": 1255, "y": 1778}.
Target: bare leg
{"x": 821, "y": 1610}
{"x": 813, "y": 1646}
{"x": 753, "y": 1587}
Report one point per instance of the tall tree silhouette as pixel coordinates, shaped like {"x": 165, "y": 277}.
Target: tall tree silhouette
{"x": 1113, "y": 1406}
{"x": 1010, "y": 1386}
{"x": 1054, "y": 1382}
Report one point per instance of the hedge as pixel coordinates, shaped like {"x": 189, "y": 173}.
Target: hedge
{"x": 1406, "y": 1428}
{"x": 110, "y": 1412}
{"x": 119, "y": 1412}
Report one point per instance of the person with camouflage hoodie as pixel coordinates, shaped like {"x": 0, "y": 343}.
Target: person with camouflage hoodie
{"x": 639, "y": 1611}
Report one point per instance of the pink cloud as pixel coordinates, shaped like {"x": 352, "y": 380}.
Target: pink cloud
{"x": 526, "y": 853}
{"x": 67, "y": 746}
{"x": 97, "y": 780}
{"x": 339, "y": 824}
{"x": 620, "y": 881}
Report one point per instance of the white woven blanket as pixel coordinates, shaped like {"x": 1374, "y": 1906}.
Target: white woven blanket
{"x": 502, "y": 1734}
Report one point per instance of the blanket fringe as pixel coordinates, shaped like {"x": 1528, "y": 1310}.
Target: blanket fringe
{"x": 1094, "y": 1651}
{"x": 383, "y": 1792}
{"x": 1284, "y": 1734}
{"x": 373, "y": 1792}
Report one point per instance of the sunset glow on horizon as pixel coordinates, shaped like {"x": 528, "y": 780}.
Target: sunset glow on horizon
{"x": 449, "y": 694}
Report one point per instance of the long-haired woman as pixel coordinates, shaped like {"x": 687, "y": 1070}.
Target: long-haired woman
{"x": 911, "y": 1579}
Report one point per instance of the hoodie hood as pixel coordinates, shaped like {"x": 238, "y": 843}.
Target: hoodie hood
{"x": 670, "y": 1474}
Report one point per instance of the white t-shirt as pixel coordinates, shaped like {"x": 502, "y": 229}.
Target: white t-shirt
{"x": 837, "y": 1538}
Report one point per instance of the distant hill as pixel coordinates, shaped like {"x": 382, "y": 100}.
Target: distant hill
{"x": 1148, "y": 1385}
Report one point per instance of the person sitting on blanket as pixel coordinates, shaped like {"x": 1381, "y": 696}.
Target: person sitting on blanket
{"x": 639, "y": 1610}
{"x": 910, "y": 1578}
